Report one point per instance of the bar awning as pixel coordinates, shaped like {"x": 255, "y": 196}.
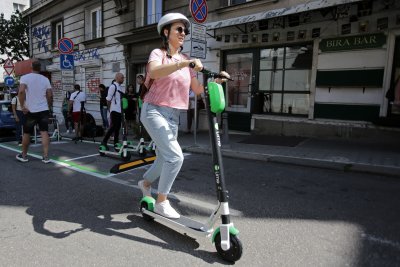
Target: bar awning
{"x": 23, "y": 67}
{"x": 278, "y": 13}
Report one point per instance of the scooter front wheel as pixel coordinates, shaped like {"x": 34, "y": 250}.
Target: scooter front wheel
{"x": 234, "y": 252}
{"x": 144, "y": 205}
{"x": 101, "y": 149}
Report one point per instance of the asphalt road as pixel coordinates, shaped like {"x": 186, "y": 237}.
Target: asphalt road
{"x": 59, "y": 214}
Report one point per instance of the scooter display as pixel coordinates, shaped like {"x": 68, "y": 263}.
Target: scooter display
{"x": 225, "y": 236}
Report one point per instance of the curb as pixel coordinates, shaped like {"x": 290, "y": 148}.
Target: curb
{"x": 307, "y": 162}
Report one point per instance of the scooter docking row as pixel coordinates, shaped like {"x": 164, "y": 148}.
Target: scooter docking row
{"x": 225, "y": 236}
{"x": 124, "y": 150}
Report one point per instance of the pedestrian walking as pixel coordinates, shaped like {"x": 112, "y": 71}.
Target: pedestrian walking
{"x": 130, "y": 112}
{"x": 36, "y": 98}
{"x": 18, "y": 116}
{"x": 114, "y": 96}
{"x": 66, "y": 114}
{"x": 140, "y": 82}
{"x": 103, "y": 105}
{"x": 77, "y": 102}
{"x": 170, "y": 78}
{"x": 190, "y": 111}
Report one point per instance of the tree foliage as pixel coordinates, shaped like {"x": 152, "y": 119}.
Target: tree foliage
{"x": 14, "y": 42}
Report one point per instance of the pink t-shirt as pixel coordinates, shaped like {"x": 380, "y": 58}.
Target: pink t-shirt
{"x": 172, "y": 90}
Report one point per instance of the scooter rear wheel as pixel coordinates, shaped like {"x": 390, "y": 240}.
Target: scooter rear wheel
{"x": 143, "y": 205}
{"x": 127, "y": 157}
{"x": 143, "y": 153}
{"x": 234, "y": 252}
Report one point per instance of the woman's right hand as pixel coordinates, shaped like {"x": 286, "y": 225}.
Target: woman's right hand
{"x": 198, "y": 66}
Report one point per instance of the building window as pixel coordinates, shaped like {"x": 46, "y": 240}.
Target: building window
{"x": 148, "y": 12}
{"x": 93, "y": 22}
{"x": 153, "y": 11}
{"x": 285, "y": 77}
{"x": 96, "y": 23}
{"x": 18, "y": 7}
{"x": 57, "y": 32}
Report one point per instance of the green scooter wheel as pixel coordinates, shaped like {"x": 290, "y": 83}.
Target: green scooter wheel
{"x": 234, "y": 252}
{"x": 144, "y": 205}
{"x": 102, "y": 148}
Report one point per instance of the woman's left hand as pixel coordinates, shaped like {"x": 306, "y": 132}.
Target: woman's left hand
{"x": 222, "y": 80}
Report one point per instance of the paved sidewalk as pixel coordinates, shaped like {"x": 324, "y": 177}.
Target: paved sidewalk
{"x": 371, "y": 156}
{"x": 377, "y": 157}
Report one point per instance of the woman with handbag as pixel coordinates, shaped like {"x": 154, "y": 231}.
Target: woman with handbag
{"x": 168, "y": 80}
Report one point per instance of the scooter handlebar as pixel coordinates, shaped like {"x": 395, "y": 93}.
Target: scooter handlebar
{"x": 209, "y": 73}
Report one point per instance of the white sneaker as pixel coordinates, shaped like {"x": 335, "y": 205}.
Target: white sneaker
{"x": 165, "y": 209}
{"x": 145, "y": 191}
{"x": 67, "y": 131}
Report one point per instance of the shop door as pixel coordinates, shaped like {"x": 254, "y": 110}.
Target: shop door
{"x": 393, "y": 94}
{"x": 240, "y": 65}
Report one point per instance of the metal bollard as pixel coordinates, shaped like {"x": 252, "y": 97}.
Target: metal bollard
{"x": 225, "y": 135}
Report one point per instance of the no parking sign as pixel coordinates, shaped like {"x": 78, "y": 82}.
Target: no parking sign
{"x": 199, "y": 10}
{"x": 65, "y": 46}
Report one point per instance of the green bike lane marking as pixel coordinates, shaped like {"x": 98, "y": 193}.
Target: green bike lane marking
{"x": 64, "y": 163}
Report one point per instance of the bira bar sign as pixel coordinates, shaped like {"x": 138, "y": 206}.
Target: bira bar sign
{"x": 353, "y": 42}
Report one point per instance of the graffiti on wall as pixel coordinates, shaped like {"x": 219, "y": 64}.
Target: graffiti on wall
{"x": 86, "y": 54}
{"x": 92, "y": 86}
{"x": 41, "y": 34}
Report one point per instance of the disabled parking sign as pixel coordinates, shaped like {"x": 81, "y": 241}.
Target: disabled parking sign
{"x": 66, "y": 62}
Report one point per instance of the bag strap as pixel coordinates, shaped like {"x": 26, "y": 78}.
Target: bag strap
{"x": 76, "y": 95}
{"x": 115, "y": 91}
{"x": 152, "y": 80}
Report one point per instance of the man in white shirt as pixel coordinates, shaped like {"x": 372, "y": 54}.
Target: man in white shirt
{"x": 36, "y": 98}
{"x": 114, "y": 95}
{"x": 77, "y": 100}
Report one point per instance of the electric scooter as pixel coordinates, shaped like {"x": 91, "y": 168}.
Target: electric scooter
{"x": 225, "y": 236}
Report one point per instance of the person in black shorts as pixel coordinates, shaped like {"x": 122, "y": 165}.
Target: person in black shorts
{"x": 36, "y": 99}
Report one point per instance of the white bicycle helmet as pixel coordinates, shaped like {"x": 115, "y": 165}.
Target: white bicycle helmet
{"x": 171, "y": 18}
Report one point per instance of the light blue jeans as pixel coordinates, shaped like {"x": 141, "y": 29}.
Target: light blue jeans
{"x": 162, "y": 125}
{"x": 103, "y": 112}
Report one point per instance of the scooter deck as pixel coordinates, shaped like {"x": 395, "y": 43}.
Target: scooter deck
{"x": 182, "y": 223}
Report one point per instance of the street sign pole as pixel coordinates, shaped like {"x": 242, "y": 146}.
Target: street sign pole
{"x": 66, "y": 47}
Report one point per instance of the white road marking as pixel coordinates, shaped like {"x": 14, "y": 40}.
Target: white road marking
{"x": 381, "y": 241}
{"x": 88, "y": 156}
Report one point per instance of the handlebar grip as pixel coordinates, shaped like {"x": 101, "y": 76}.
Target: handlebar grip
{"x": 210, "y": 73}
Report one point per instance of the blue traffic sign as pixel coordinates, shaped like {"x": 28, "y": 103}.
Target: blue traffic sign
{"x": 66, "y": 62}
{"x": 65, "y": 46}
{"x": 199, "y": 10}
{"x": 9, "y": 81}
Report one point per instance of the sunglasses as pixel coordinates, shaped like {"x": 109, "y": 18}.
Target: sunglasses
{"x": 184, "y": 30}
